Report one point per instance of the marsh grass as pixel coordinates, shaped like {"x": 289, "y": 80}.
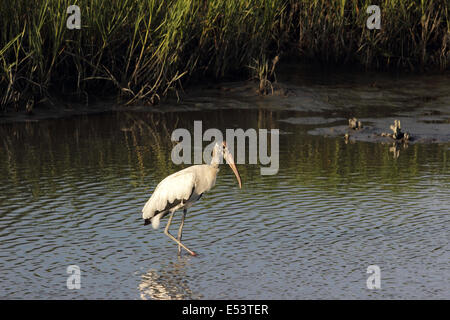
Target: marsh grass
{"x": 143, "y": 50}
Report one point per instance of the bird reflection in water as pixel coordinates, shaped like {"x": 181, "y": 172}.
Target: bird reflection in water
{"x": 169, "y": 283}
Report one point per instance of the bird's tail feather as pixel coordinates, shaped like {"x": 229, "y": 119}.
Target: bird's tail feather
{"x": 155, "y": 221}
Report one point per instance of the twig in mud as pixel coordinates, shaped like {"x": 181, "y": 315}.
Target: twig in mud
{"x": 354, "y": 124}
{"x": 397, "y": 134}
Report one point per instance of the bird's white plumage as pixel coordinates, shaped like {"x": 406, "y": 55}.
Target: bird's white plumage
{"x": 177, "y": 186}
{"x": 184, "y": 186}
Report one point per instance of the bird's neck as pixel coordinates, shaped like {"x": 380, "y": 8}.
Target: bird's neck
{"x": 214, "y": 165}
{"x": 215, "y": 161}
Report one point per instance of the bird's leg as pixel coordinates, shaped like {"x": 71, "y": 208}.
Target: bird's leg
{"x": 181, "y": 230}
{"x": 166, "y": 232}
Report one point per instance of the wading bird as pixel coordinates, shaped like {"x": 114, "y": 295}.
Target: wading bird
{"x": 181, "y": 189}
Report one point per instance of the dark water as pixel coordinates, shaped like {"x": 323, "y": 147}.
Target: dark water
{"x": 72, "y": 191}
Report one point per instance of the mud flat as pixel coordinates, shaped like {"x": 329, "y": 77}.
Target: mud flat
{"x": 321, "y": 103}
{"x": 425, "y": 129}
{"x": 420, "y": 102}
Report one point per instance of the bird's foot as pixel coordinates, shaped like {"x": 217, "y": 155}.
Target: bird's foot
{"x": 194, "y": 254}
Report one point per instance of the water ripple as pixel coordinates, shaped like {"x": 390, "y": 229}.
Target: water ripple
{"x": 308, "y": 232}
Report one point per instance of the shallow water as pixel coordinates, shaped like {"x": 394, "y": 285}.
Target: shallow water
{"x": 72, "y": 192}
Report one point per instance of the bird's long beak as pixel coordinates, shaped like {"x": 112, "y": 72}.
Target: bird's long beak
{"x": 229, "y": 159}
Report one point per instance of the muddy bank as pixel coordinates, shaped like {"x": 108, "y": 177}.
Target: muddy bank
{"x": 228, "y": 95}
{"x": 321, "y": 102}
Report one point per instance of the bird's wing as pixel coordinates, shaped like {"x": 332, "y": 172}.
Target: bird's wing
{"x": 169, "y": 193}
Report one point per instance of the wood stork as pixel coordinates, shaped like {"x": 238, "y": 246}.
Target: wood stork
{"x": 181, "y": 189}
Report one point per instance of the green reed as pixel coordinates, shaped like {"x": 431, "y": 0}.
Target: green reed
{"x": 144, "y": 49}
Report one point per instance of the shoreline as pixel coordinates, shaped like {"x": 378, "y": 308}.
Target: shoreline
{"x": 308, "y": 105}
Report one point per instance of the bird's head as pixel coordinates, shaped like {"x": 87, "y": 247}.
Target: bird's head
{"x": 221, "y": 151}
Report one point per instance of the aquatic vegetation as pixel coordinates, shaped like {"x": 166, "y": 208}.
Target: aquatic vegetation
{"x": 144, "y": 50}
{"x": 265, "y": 74}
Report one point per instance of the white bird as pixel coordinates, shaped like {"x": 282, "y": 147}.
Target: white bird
{"x": 181, "y": 189}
